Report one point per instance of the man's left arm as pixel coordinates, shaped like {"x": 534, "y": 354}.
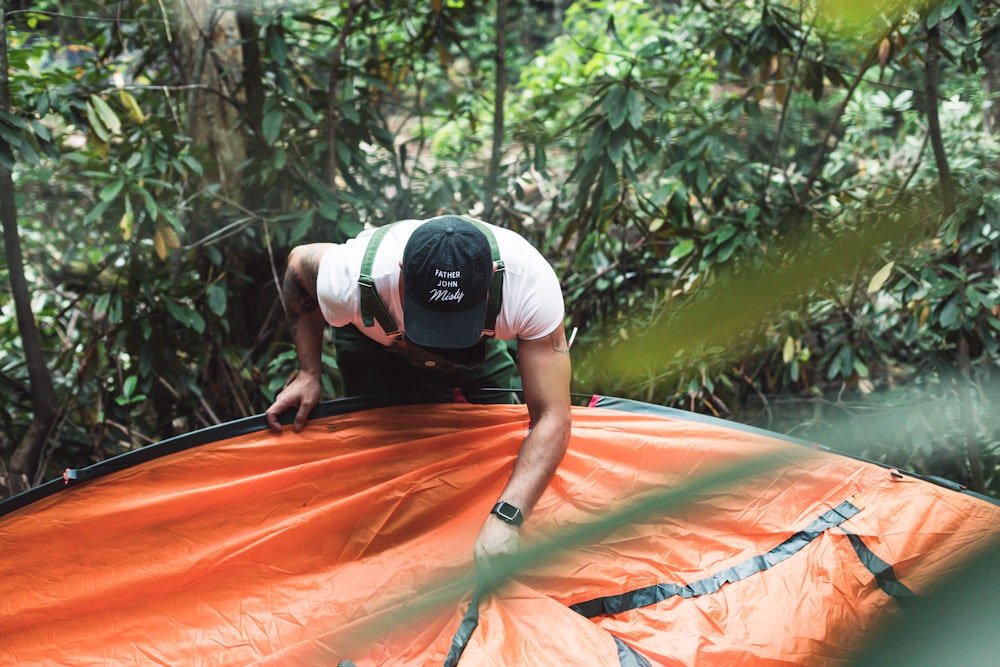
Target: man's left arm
{"x": 545, "y": 370}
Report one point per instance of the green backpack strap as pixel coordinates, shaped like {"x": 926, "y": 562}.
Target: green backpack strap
{"x": 372, "y": 306}
{"x": 496, "y": 286}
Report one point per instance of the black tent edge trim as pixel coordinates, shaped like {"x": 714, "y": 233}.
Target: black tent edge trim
{"x": 210, "y": 434}
{"x": 629, "y": 405}
{"x": 341, "y": 406}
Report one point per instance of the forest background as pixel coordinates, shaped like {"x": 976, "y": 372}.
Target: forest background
{"x": 782, "y": 213}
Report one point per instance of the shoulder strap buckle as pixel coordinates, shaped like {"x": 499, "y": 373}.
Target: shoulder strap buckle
{"x": 372, "y": 306}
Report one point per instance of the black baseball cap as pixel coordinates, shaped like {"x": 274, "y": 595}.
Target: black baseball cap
{"x": 447, "y": 270}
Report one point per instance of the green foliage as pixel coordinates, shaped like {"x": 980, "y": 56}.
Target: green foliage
{"x": 660, "y": 153}
{"x": 686, "y": 172}
{"x": 743, "y": 201}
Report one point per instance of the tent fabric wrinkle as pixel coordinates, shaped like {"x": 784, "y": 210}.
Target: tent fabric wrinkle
{"x": 883, "y": 572}
{"x": 651, "y": 595}
{"x": 351, "y": 543}
{"x": 629, "y": 657}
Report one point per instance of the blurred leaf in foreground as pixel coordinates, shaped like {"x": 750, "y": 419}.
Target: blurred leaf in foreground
{"x": 721, "y": 312}
{"x": 955, "y": 625}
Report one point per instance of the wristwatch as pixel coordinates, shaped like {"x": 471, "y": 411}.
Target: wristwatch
{"x": 508, "y": 512}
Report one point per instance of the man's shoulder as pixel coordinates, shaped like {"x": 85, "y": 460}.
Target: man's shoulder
{"x": 514, "y": 247}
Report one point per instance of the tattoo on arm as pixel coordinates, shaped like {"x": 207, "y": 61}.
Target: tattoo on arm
{"x": 299, "y": 286}
{"x": 296, "y": 293}
{"x": 559, "y": 343}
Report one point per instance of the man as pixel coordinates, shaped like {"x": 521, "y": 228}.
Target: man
{"x": 423, "y": 304}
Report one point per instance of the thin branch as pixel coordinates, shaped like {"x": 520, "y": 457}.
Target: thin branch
{"x": 131, "y": 434}
{"x": 75, "y": 17}
{"x": 934, "y": 121}
{"x": 786, "y": 109}
{"x": 821, "y": 152}
{"x": 274, "y": 269}
{"x": 913, "y": 172}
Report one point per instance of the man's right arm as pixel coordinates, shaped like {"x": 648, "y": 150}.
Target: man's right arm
{"x": 298, "y": 293}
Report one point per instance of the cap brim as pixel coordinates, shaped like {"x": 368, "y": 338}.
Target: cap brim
{"x": 436, "y": 328}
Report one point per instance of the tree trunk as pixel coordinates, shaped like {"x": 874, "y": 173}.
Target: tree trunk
{"x": 24, "y": 461}
{"x": 934, "y": 121}
{"x": 991, "y": 82}
{"x": 333, "y": 86}
{"x": 210, "y": 56}
{"x": 973, "y": 454}
{"x": 500, "y": 86}
{"x": 252, "y": 96}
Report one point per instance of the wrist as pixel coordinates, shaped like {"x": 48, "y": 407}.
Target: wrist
{"x": 509, "y": 513}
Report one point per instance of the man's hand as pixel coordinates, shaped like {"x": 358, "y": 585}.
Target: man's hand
{"x": 496, "y": 540}
{"x": 303, "y": 392}
{"x": 298, "y": 293}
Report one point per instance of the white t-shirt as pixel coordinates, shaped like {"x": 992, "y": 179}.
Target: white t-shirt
{"x": 532, "y": 298}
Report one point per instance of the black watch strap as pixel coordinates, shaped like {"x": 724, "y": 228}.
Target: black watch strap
{"x": 508, "y": 512}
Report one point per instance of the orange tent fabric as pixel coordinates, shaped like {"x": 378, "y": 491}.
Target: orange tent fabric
{"x": 352, "y": 543}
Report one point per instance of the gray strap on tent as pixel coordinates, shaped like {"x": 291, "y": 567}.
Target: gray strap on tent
{"x": 470, "y": 621}
{"x": 373, "y": 308}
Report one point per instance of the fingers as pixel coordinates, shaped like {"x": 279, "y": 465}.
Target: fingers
{"x": 306, "y": 401}
{"x": 497, "y": 543}
{"x": 272, "y": 419}
{"x": 481, "y": 556}
{"x": 275, "y": 411}
{"x": 302, "y": 416}
{"x": 486, "y": 573}
{"x": 286, "y": 400}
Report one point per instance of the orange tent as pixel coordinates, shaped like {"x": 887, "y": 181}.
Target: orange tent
{"x": 351, "y": 543}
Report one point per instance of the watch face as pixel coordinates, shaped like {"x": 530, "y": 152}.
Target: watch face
{"x": 508, "y": 512}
